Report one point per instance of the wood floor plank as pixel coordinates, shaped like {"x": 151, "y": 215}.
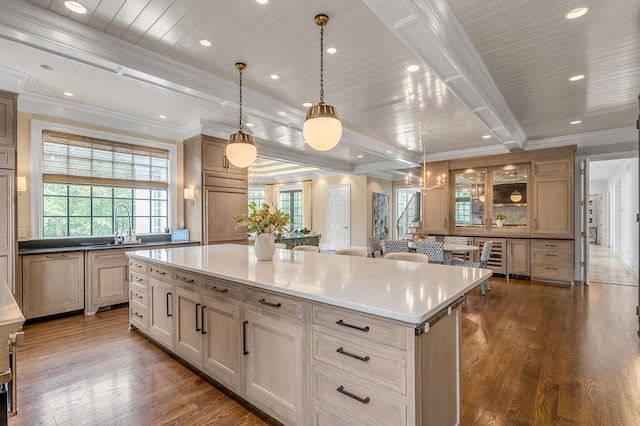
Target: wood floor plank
{"x": 532, "y": 353}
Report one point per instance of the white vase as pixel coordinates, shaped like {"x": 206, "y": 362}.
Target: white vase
{"x": 264, "y": 247}
{"x": 499, "y": 223}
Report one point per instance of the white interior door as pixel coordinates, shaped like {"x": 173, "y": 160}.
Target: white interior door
{"x": 338, "y": 216}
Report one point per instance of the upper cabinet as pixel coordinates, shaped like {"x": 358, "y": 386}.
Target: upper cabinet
{"x": 214, "y": 158}
{"x": 435, "y": 208}
{"x": 554, "y": 199}
{"x": 8, "y": 117}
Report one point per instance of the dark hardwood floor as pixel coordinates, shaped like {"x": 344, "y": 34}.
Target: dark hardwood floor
{"x": 532, "y": 354}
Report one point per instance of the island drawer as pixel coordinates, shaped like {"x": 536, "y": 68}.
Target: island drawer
{"x": 331, "y": 417}
{"x": 218, "y": 287}
{"x": 360, "y": 325}
{"x": 382, "y": 365}
{"x": 359, "y": 397}
{"x": 182, "y": 277}
{"x": 138, "y": 279}
{"x": 138, "y": 316}
{"x": 138, "y": 293}
{"x": 137, "y": 266}
{"x": 275, "y": 303}
{"x": 160, "y": 273}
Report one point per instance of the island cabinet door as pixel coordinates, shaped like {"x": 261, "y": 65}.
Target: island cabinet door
{"x": 223, "y": 341}
{"x": 161, "y": 312}
{"x": 189, "y": 338}
{"x": 273, "y": 347}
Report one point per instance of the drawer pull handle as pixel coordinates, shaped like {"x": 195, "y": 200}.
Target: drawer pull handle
{"x": 169, "y": 295}
{"x": 340, "y": 350}
{"x": 551, "y": 245}
{"x": 161, "y": 272}
{"x": 219, "y": 290}
{"x": 551, "y": 255}
{"x": 350, "y": 395}
{"x": 553, "y": 269}
{"x": 202, "y": 317}
{"x": 137, "y": 279}
{"x": 275, "y": 305}
{"x": 244, "y": 338}
{"x": 197, "y": 306}
{"x": 137, "y": 315}
{"x": 344, "y": 324}
{"x": 186, "y": 280}
{"x": 137, "y": 295}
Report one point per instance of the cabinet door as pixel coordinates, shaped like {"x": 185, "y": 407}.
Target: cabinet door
{"x": 553, "y": 207}
{"x": 109, "y": 280}
{"x": 214, "y": 158}
{"x": 435, "y": 211}
{"x": 274, "y": 372}
{"x": 189, "y": 337}
{"x": 223, "y": 343}
{"x": 52, "y": 283}
{"x": 518, "y": 257}
{"x": 7, "y": 228}
{"x": 161, "y": 312}
{"x": 8, "y": 119}
{"x": 221, "y": 206}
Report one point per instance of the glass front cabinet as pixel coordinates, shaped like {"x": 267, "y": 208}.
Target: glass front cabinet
{"x": 492, "y": 199}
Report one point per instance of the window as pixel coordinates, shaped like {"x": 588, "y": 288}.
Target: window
{"x": 291, "y": 202}
{"x": 84, "y": 179}
{"x": 258, "y": 195}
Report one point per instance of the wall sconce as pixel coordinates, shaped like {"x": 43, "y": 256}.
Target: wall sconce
{"x": 190, "y": 195}
{"x": 21, "y": 184}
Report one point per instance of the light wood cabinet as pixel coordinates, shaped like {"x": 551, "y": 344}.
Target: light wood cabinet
{"x": 188, "y": 327}
{"x": 8, "y": 119}
{"x": 435, "y": 205}
{"x": 222, "y": 191}
{"x": 53, "y": 283}
{"x": 518, "y": 255}
{"x": 553, "y": 199}
{"x": 8, "y": 237}
{"x": 552, "y": 260}
{"x": 107, "y": 279}
{"x": 161, "y": 312}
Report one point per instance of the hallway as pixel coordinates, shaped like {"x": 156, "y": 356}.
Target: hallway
{"x": 607, "y": 268}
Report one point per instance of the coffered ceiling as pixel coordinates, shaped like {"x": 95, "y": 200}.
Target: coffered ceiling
{"x": 496, "y": 68}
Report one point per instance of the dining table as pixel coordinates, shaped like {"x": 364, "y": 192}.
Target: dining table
{"x": 449, "y": 249}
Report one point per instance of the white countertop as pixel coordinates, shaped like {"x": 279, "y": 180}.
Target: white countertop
{"x": 406, "y": 291}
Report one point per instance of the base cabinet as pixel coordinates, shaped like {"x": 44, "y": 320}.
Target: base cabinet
{"x": 54, "y": 283}
{"x": 518, "y": 257}
{"x": 108, "y": 279}
{"x": 161, "y": 312}
{"x": 188, "y": 326}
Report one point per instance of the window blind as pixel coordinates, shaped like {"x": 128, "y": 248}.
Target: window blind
{"x": 79, "y": 159}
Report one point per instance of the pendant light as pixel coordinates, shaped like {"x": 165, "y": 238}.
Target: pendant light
{"x": 322, "y": 128}
{"x": 516, "y": 196}
{"x": 241, "y": 151}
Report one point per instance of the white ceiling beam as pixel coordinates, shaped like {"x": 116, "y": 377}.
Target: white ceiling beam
{"x": 430, "y": 29}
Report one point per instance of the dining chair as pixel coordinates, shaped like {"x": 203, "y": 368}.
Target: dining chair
{"x": 433, "y": 249}
{"x": 280, "y": 245}
{"x": 375, "y": 245}
{"x": 306, "y": 248}
{"x": 352, "y": 252}
{"x": 484, "y": 258}
{"x": 411, "y": 257}
{"x": 395, "y": 246}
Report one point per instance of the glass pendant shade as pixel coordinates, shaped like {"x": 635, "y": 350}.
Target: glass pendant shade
{"x": 516, "y": 196}
{"x": 241, "y": 151}
{"x": 322, "y": 128}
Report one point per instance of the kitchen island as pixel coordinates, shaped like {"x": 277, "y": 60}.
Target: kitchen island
{"x": 311, "y": 338}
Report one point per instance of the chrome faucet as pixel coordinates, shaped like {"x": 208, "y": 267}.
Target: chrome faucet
{"x": 118, "y": 239}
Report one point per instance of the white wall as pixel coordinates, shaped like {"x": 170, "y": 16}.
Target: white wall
{"x": 626, "y": 178}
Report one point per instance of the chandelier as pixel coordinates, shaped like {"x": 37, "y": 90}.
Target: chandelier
{"x": 424, "y": 183}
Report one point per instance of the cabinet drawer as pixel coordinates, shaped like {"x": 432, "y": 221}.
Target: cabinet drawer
{"x": 137, "y": 266}
{"x": 138, "y": 316}
{"x": 551, "y": 245}
{"x": 160, "y": 273}
{"x": 234, "y": 181}
{"x": 545, "y": 257}
{"x": 387, "y": 368}
{"x": 138, "y": 293}
{"x": 552, "y": 272}
{"x": 275, "y": 303}
{"x": 215, "y": 287}
{"x": 359, "y": 398}
{"x": 360, "y": 325}
{"x": 329, "y": 417}
{"x": 182, "y": 277}
{"x": 138, "y": 279}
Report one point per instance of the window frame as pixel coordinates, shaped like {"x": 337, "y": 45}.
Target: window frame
{"x": 36, "y": 190}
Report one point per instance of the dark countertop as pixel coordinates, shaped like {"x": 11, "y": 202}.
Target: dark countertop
{"x": 60, "y": 245}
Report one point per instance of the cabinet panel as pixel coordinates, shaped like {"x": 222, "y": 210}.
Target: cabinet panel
{"x": 223, "y": 343}
{"x": 274, "y": 365}
{"x": 553, "y": 168}
{"x": 214, "y": 158}
{"x": 161, "y": 312}
{"x": 7, "y": 228}
{"x": 52, "y": 284}
{"x": 8, "y": 117}
{"x": 189, "y": 337}
{"x": 108, "y": 279}
{"x": 221, "y": 207}
{"x": 518, "y": 255}
{"x": 553, "y": 207}
{"x": 435, "y": 211}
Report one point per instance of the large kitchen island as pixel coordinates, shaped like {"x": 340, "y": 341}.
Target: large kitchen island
{"x": 311, "y": 338}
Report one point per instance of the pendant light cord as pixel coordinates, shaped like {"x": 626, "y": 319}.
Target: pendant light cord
{"x": 240, "y": 120}
{"x": 321, "y": 64}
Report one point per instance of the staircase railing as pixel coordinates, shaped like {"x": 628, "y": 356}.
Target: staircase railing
{"x": 407, "y": 217}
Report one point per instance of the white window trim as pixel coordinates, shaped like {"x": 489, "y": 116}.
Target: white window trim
{"x": 38, "y": 126}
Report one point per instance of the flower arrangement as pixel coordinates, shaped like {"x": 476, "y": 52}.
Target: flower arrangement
{"x": 499, "y": 216}
{"x": 267, "y": 219}
{"x": 420, "y": 236}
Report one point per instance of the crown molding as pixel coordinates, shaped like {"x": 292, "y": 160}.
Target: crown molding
{"x": 430, "y": 29}
{"x": 591, "y": 139}
{"x": 12, "y": 81}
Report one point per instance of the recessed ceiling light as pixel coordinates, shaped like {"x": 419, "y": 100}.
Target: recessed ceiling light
{"x": 275, "y": 76}
{"x": 282, "y": 113}
{"x": 307, "y": 104}
{"x": 486, "y": 136}
{"x": 262, "y": 1}
{"x": 360, "y": 156}
{"x": 47, "y": 67}
{"x": 332, "y": 50}
{"x": 413, "y": 68}
{"x": 576, "y": 77}
{"x": 162, "y": 116}
{"x": 76, "y": 7}
{"x": 68, "y": 94}
{"x": 205, "y": 42}
{"x": 388, "y": 152}
{"x": 249, "y": 124}
{"x": 576, "y": 13}
{"x": 576, "y": 122}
